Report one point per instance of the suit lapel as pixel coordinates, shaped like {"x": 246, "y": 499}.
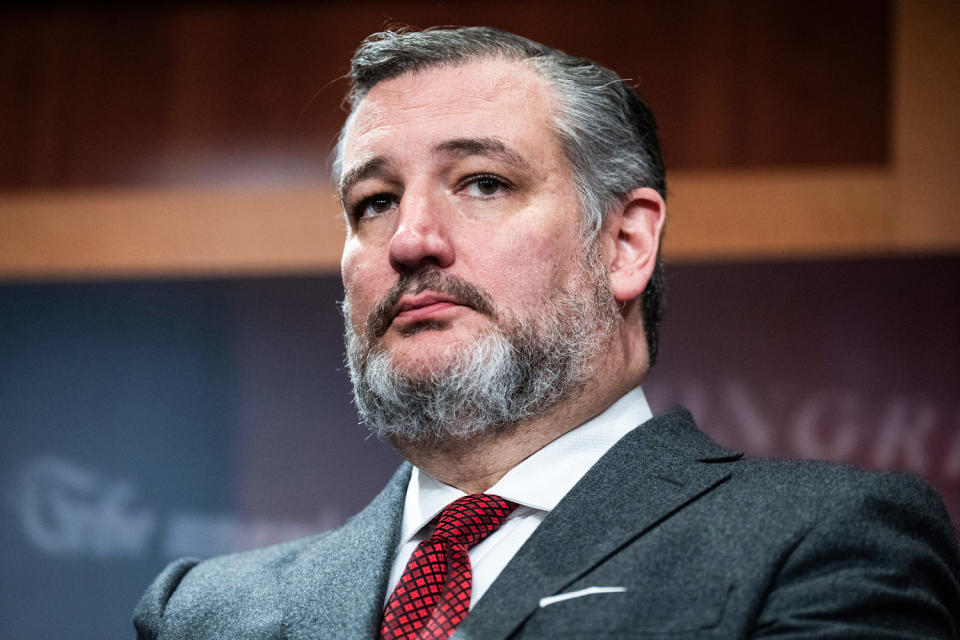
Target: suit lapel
{"x": 653, "y": 472}
{"x": 336, "y": 585}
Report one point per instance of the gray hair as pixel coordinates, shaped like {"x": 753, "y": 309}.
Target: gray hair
{"x": 607, "y": 132}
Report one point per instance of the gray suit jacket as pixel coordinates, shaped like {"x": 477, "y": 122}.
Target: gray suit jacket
{"x": 706, "y": 544}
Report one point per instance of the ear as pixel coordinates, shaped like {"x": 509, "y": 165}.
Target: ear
{"x": 631, "y": 237}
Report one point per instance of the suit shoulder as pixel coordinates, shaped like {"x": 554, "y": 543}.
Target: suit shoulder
{"x": 815, "y": 479}
{"x": 856, "y": 537}
{"x": 148, "y": 613}
{"x": 245, "y": 595}
{"x": 843, "y": 503}
{"x": 191, "y": 595}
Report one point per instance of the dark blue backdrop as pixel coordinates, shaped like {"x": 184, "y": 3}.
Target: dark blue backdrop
{"x": 147, "y": 420}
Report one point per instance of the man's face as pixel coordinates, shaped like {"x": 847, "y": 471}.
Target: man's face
{"x": 462, "y": 211}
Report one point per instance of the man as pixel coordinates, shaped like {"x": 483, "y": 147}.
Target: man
{"x": 505, "y": 204}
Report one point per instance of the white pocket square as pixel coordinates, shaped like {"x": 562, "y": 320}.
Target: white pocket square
{"x": 544, "y": 602}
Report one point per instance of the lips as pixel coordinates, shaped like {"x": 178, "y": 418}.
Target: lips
{"x": 423, "y": 296}
{"x": 424, "y": 306}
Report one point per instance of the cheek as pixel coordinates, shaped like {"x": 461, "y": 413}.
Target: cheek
{"x": 529, "y": 269}
{"x": 359, "y": 285}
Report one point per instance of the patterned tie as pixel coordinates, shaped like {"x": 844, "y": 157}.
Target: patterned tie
{"x": 433, "y": 595}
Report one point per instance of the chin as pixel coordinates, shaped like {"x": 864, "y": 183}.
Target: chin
{"x": 424, "y": 365}
{"x": 428, "y": 353}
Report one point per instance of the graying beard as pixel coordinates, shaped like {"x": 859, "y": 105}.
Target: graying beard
{"x": 507, "y": 376}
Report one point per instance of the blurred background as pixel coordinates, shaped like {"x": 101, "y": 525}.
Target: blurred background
{"x": 171, "y": 364}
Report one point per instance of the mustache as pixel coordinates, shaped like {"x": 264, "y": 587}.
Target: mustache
{"x": 415, "y": 282}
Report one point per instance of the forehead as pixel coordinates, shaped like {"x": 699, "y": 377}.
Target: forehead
{"x": 490, "y": 98}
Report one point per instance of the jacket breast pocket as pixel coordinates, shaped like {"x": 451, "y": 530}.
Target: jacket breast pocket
{"x": 648, "y": 613}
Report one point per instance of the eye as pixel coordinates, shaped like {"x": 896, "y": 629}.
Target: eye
{"x": 485, "y": 186}
{"x": 374, "y": 206}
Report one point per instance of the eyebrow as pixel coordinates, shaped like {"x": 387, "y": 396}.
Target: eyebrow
{"x": 487, "y": 147}
{"x": 366, "y": 169}
{"x": 459, "y": 147}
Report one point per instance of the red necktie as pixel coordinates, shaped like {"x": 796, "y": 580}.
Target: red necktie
{"x": 433, "y": 595}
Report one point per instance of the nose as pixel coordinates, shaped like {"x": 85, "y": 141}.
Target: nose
{"x": 422, "y": 234}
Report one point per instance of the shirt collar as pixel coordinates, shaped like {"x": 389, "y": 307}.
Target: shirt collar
{"x": 541, "y": 480}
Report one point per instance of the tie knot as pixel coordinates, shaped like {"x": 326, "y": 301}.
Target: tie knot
{"x": 470, "y": 519}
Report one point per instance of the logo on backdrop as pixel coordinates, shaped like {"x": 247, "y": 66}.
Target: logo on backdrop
{"x": 64, "y": 508}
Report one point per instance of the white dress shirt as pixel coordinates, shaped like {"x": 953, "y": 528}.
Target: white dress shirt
{"x": 537, "y": 484}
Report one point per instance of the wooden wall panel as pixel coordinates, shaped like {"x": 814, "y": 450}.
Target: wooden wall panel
{"x": 927, "y": 124}
{"x": 169, "y": 232}
{"x": 213, "y": 94}
{"x": 84, "y": 96}
{"x": 145, "y": 233}
{"x": 208, "y": 163}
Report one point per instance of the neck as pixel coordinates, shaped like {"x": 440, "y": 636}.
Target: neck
{"x": 476, "y": 464}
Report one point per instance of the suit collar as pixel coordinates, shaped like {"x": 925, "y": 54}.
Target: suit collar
{"x": 544, "y": 478}
{"x": 336, "y": 583}
{"x": 653, "y": 472}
